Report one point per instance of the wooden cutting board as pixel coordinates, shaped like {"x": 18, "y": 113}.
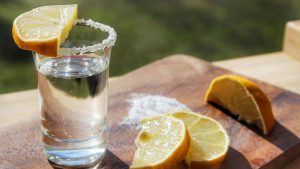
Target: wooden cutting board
{"x": 186, "y": 79}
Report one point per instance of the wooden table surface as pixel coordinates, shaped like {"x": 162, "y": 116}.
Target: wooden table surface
{"x": 280, "y": 69}
{"x": 277, "y": 68}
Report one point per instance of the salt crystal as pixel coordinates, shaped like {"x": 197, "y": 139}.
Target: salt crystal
{"x": 143, "y": 106}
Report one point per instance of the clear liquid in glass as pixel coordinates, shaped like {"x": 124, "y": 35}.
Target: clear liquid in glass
{"x": 73, "y": 104}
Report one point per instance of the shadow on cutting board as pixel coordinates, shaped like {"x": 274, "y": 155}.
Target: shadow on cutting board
{"x": 238, "y": 158}
{"x": 280, "y": 136}
{"x": 232, "y": 155}
{"x": 109, "y": 161}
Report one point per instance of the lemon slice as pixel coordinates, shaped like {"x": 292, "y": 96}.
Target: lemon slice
{"x": 209, "y": 140}
{"x": 242, "y": 98}
{"x": 162, "y": 142}
{"x": 43, "y": 29}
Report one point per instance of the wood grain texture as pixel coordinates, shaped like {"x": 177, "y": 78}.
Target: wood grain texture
{"x": 186, "y": 79}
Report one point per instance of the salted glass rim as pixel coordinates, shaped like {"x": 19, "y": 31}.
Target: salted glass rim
{"x": 105, "y": 43}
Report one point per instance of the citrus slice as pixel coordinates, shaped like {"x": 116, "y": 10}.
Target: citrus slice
{"x": 162, "y": 142}
{"x": 209, "y": 140}
{"x": 43, "y": 29}
{"x": 242, "y": 98}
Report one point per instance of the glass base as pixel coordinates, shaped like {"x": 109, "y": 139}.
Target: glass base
{"x": 66, "y": 154}
{"x": 93, "y": 165}
{"x": 74, "y": 157}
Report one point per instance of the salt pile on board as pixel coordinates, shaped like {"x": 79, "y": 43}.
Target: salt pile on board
{"x": 143, "y": 106}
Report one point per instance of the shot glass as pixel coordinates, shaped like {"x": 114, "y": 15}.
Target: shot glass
{"x": 73, "y": 95}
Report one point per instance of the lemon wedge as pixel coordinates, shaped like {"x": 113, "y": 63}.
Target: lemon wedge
{"x": 209, "y": 140}
{"x": 242, "y": 98}
{"x": 43, "y": 29}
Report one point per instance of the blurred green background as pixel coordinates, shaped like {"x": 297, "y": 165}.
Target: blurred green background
{"x": 152, "y": 29}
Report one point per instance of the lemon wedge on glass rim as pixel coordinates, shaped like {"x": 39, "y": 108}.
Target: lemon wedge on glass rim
{"x": 43, "y": 29}
{"x": 162, "y": 143}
